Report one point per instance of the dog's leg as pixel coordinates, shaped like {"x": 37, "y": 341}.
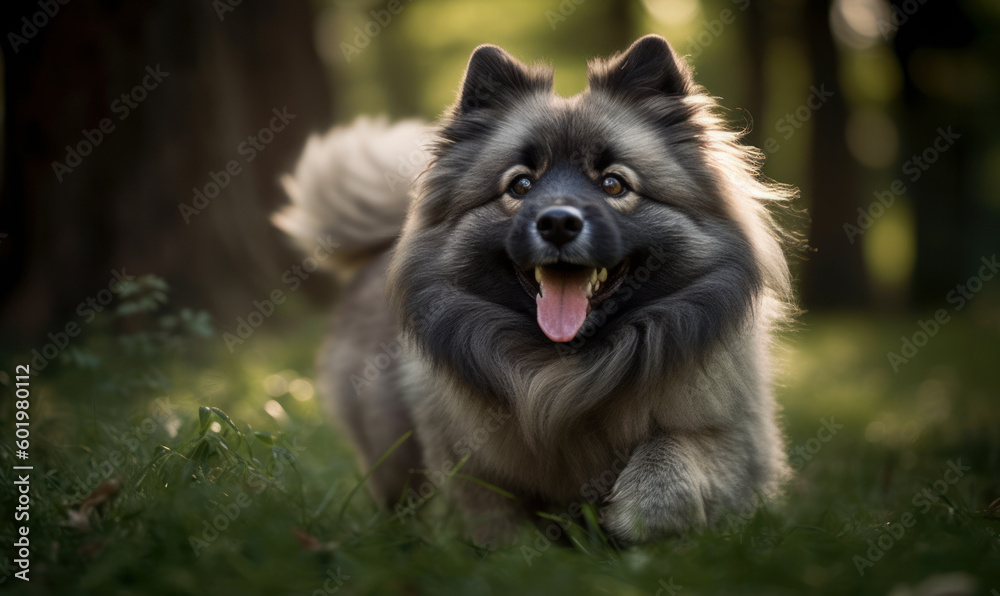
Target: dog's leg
{"x": 491, "y": 518}
{"x": 680, "y": 481}
{"x": 363, "y": 378}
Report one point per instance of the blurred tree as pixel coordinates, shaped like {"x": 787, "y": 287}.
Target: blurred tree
{"x": 835, "y": 275}
{"x": 222, "y": 67}
{"x": 944, "y": 87}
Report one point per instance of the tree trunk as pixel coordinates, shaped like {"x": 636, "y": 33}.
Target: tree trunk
{"x": 197, "y": 85}
{"x": 835, "y": 275}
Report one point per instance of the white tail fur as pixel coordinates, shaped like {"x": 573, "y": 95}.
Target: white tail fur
{"x": 351, "y": 188}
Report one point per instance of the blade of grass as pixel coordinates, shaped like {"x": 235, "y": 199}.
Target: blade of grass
{"x": 590, "y": 515}
{"x": 487, "y": 485}
{"x": 326, "y": 500}
{"x": 225, "y": 418}
{"x": 423, "y": 500}
{"x": 559, "y": 520}
{"x": 385, "y": 456}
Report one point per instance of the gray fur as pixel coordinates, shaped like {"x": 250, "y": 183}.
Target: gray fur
{"x": 670, "y": 393}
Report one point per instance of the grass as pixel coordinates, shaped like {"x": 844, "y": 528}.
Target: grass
{"x": 164, "y": 464}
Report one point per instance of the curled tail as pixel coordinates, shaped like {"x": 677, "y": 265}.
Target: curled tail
{"x": 351, "y": 189}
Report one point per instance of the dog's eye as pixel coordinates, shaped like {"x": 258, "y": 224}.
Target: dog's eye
{"x": 520, "y": 186}
{"x": 613, "y": 185}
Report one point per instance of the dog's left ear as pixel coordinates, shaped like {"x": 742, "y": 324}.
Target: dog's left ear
{"x": 495, "y": 79}
{"x": 649, "y": 66}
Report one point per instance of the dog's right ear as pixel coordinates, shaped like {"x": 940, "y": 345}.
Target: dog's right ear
{"x": 649, "y": 66}
{"x": 495, "y": 79}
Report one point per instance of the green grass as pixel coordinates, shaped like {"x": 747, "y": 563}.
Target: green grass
{"x": 226, "y": 442}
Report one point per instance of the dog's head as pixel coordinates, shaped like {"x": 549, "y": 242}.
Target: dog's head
{"x": 621, "y": 228}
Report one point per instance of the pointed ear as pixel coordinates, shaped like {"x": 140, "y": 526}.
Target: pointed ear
{"x": 650, "y": 66}
{"x": 495, "y": 79}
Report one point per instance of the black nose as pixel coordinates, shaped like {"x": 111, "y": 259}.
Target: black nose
{"x": 559, "y": 225}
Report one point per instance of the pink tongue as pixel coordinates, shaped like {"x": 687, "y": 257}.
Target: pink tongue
{"x": 562, "y": 305}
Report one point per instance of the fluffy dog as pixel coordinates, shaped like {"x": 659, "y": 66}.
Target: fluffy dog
{"x": 572, "y": 289}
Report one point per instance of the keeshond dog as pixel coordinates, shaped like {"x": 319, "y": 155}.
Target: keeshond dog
{"x": 571, "y": 299}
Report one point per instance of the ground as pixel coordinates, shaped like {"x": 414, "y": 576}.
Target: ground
{"x": 168, "y": 461}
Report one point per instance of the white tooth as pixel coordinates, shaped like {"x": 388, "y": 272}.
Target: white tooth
{"x": 593, "y": 276}
{"x": 597, "y": 286}
{"x": 590, "y": 290}
{"x": 603, "y": 275}
{"x": 538, "y": 274}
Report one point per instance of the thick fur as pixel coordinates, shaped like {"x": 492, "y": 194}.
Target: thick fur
{"x": 351, "y": 188}
{"x": 660, "y": 410}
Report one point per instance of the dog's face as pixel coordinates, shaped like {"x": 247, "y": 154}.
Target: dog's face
{"x": 612, "y": 219}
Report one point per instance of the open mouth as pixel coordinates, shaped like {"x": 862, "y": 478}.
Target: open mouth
{"x": 566, "y": 293}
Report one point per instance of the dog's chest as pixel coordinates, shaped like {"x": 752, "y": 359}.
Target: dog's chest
{"x": 580, "y": 467}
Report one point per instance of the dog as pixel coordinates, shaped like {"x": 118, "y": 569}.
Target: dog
{"x": 570, "y": 299}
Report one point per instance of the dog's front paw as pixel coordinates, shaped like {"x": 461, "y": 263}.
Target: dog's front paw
{"x": 652, "y": 499}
